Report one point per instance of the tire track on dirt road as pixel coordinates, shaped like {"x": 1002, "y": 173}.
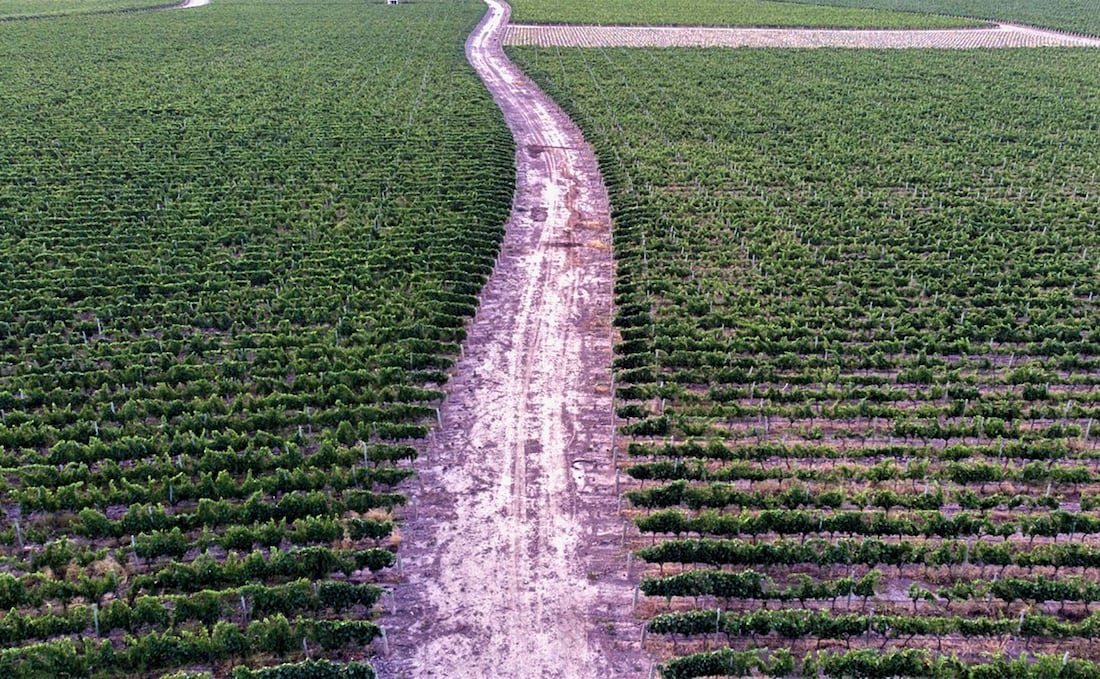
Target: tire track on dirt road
{"x": 512, "y": 543}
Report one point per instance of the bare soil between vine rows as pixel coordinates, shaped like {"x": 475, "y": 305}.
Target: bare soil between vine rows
{"x": 512, "y": 557}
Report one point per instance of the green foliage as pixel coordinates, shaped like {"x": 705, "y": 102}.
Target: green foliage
{"x": 1069, "y": 15}
{"x": 10, "y": 9}
{"x": 856, "y": 293}
{"x": 310, "y": 669}
{"x": 233, "y": 280}
{"x": 727, "y": 662}
{"x": 716, "y": 13}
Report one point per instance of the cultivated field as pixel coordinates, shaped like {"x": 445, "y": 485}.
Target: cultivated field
{"x": 720, "y": 13}
{"x": 306, "y": 362}
{"x": 240, "y": 245}
{"x": 1080, "y": 16}
{"x": 858, "y": 356}
{"x": 19, "y": 9}
{"x": 1000, "y": 36}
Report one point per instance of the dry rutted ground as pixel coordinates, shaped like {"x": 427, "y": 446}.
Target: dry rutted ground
{"x": 515, "y": 568}
{"x": 1005, "y": 35}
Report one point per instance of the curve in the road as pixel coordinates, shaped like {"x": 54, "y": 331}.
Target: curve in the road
{"x": 511, "y": 549}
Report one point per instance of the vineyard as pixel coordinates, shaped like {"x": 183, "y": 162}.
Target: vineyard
{"x": 858, "y": 363}
{"x": 722, "y": 13}
{"x": 17, "y": 9}
{"x": 1079, "y": 16}
{"x": 856, "y": 358}
{"x": 240, "y": 246}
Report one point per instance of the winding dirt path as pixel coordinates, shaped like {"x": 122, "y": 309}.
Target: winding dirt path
{"x": 1000, "y": 36}
{"x": 512, "y": 544}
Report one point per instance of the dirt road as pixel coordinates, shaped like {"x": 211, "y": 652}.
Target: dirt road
{"x": 1002, "y": 36}
{"x": 511, "y": 546}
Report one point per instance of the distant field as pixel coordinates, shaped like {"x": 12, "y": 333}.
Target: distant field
{"x": 718, "y": 13}
{"x": 28, "y": 8}
{"x": 1081, "y": 16}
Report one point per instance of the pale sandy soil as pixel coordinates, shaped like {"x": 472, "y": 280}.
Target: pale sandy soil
{"x": 1004, "y": 35}
{"x": 511, "y": 549}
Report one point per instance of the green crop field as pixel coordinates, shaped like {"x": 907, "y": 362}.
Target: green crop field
{"x": 859, "y": 367}
{"x": 11, "y": 9}
{"x": 857, "y": 376}
{"x": 1082, "y": 16}
{"x": 238, "y": 246}
{"x": 719, "y": 13}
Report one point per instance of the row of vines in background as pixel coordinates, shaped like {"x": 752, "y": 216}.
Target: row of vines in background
{"x": 721, "y": 13}
{"x": 859, "y": 355}
{"x": 1078, "y": 16}
{"x": 17, "y": 10}
{"x": 240, "y": 245}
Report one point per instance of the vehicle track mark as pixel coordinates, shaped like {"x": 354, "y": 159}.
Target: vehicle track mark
{"x": 512, "y": 557}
